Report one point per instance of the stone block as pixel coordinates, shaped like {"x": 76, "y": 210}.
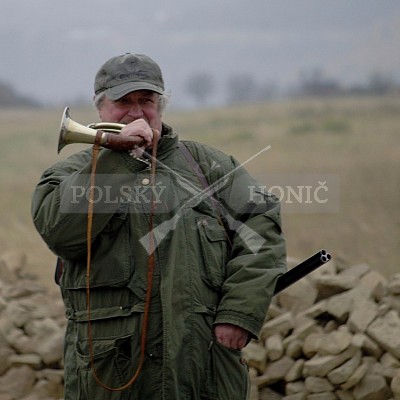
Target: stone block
{"x": 394, "y": 284}
{"x": 395, "y": 385}
{"x": 311, "y": 344}
{"x": 375, "y": 283}
{"x": 296, "y": 396}
{"x": 321, "y": 396}
{"x": 386, "y": 332}
{"x": 362, "y": 314}
{"x": 322, "y": 365}
{"x": 357, "y": 376}
{"x": 275, "y": 372}
{"x": 367, "y": 345}
{"x": 17, "y": 381}
{"x": 18, "y": 315}
{"x": 377, "y": 368}
{"x": 342, "y": 373}
{"x": 340, "y": 305}
{"x": 295, "y": 372}
{"x": 295, "y": 387}
{"x": 51, "y": 349}
{"x": 31, "y": 360}
{"x": 299, "y": 296}
{"x": 315, "y": 310}
{"x": 330, "y": 285}
{"x": 355, "y": 271}
{"x": 274, "y": 347}
{"x": 316, "y": 384}
{"x": 294, "y": 348}
{"x": 334, "y": 342}
{"x": 256, "y": 356}
{"x": 344, "y": 395}
{"x": 282, "y": 324}
{"x": 389, "y": 361}
{"x": 372, "y": 387}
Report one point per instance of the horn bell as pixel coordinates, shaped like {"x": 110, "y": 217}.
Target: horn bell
{"x": 73, "y": 132}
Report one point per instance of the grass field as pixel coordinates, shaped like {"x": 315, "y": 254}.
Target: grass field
{"x": 355, "y": 140}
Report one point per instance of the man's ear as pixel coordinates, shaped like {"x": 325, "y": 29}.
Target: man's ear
{"x": 98, "y": 110}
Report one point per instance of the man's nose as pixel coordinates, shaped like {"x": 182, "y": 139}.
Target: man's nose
{"x": 135, "y": 110}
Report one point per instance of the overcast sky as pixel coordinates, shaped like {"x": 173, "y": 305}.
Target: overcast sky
{"x": 51, "y": 49}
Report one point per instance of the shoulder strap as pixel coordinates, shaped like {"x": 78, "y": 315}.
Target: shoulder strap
{"x": 204, "y": 183}
{"x": 194, "y": 164}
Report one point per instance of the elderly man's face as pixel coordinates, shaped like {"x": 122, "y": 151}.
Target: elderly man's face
{"x": 135, "y": 105}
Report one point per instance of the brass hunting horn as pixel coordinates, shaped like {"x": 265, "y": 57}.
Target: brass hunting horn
{"x": 73, "y": 132}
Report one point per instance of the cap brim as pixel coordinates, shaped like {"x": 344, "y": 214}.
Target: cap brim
{"x": 119, "y": 91}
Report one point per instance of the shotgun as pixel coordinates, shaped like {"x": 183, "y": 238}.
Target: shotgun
{"x": 301, "y": 270}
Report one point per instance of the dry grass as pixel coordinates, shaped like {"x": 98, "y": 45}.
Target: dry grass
{"x": 355, "y": 139}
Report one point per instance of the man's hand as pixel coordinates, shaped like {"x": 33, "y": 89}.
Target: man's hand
{"x": 231, "y": 336}
{"x": 142, "y": 129}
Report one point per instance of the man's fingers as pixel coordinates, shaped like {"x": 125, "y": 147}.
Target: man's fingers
{"x": 139, "y": 128}
{"x": 231, "y": 336}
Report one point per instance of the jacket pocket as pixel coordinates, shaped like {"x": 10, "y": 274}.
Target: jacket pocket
{"x": 113, "y": 365}
{"x": 214, "y": 250}
{"x": 111, "y": 263}
{"x": 229, "y": 379}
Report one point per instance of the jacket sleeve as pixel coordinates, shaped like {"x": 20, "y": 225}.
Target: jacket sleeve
{"x": 60, "y": 204}
{"x": 258, "y": 254}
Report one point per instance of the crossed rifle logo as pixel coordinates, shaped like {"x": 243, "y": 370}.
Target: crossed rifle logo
{"x": 251, "y": 238}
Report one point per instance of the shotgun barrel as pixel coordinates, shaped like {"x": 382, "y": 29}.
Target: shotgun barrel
{"x": 301, "y": 270}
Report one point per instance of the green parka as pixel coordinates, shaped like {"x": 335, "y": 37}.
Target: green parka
{"x": 200, "y": 278}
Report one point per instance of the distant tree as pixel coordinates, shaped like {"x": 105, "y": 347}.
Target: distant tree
{"x": 315, "y": 83}
{"x": 380, "y": 83}
{"x": 242, "y": 88}
{"x": 200, "y": 86}
{"x": 267, "y": 91}
{"x": 10, "y": 98}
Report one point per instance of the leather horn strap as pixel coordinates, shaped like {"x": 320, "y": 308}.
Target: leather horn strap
{"x": 150, "y": 266}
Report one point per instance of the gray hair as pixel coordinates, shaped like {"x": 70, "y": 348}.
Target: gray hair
{"x": 163, "y": 100}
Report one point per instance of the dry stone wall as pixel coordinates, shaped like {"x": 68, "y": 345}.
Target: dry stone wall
{"x": 333, "y": 335}
{"x": 32, "y": 325}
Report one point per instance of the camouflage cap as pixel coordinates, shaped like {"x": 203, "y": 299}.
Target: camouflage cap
{"x": 126, "y": 73}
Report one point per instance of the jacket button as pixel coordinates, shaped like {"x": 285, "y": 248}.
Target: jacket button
{"x": 145, "y": 181}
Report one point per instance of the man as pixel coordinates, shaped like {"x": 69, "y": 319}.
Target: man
{"x": 217, "y": 254}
